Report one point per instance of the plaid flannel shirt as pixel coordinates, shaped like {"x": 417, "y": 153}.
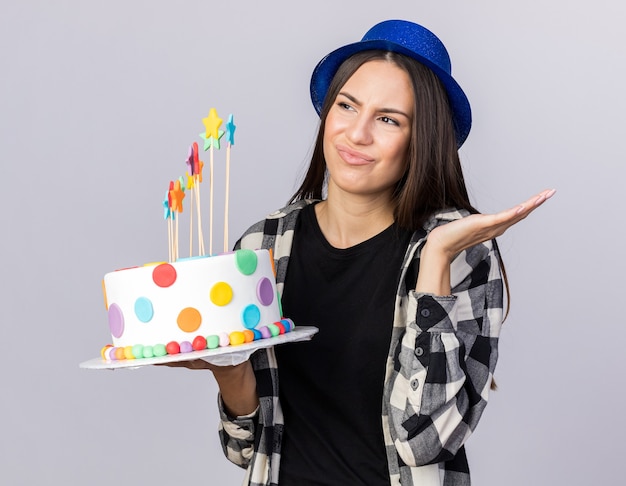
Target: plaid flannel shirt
{"x": 438, "y": 373}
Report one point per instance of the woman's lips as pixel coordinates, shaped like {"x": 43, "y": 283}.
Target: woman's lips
{"x": 353, "y": 157}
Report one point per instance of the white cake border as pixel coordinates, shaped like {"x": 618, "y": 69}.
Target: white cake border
{"x": 225, "y": 356}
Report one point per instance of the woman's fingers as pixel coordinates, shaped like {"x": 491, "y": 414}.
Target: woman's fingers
{"x": 533, "y": 203}
{"x": 456, "y": 236}
{"x": 507, "y": 218}
{"x": 195, "y": 364}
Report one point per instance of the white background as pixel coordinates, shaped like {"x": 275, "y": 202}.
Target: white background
{"x": 99, "y": 102}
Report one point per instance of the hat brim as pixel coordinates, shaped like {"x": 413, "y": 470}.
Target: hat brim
{"x": 328, "y": 66}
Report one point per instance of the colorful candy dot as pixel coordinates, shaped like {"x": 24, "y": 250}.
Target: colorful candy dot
{"x": 265, "y": 332}
{"x": 236, "y": 338}
{"x": 265, "y": 291}
{"x": 221, "y": 293}
{"x": 273, "y": 329}
{"x": 128, "y": 352}
{"x": 212, "y": 341}
{"x": 159, "y": 350}
{"x": 152, "y": 264}
{"x": 164, "y": 275}
{"x": 272, "y": 262}
{"x": 143, "y": 309}
{"x": 248, "y": 335}
{"x": 224, "y": 339}
{"x": 172, "y": 347}
{"x": 185, "y": 347}
{"x": 251, "y": 316}
{"x": 110, "y": 354}
{"x": 189, "y": 258}
{"x": 189, "y": 319}
{"x": 246, "y": 261}
{"x": 288, "y": 323}
{"x": 116, "y": 321}
{"x": 257, "y": 334}
{"x": 137, "y": 351}
{"x": 119, "y": 353}
{"x": 104, "y": 294}
{"x": 104, "y": 350}
{"x": 280, "y": 326}
{"x": 148, "y": 352}
{"x": 199, "y": 343}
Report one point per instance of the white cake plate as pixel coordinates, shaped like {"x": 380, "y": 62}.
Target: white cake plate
{"x": 226, "y": 356}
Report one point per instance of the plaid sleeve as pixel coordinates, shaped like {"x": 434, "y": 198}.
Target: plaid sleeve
{"x": 237, "y": 435}
{"x": 444, "y": 362}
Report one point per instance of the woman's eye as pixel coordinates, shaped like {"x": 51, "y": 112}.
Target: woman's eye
{"x": 343, "y": 105}
{"x": 386, "y": 119}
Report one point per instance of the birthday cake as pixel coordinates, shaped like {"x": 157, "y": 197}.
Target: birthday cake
{"x": 192, "y": 305}
{"x": 199, "y": 302}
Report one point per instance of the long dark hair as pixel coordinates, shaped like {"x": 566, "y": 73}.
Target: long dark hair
{"x": 433, "y": 179}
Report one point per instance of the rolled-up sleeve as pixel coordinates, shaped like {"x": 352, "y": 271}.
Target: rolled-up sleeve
{"x": 237, "y": 435}
{"x": 444, "y": 361}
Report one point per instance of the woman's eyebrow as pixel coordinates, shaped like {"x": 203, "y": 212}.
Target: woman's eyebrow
{"x": 383, "y": 110}
{"x": 350, "y": 97}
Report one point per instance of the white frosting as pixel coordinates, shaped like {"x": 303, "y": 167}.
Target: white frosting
{"x": 191, "y": 288}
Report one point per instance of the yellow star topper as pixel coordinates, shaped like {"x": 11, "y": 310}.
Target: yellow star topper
{"x": 212, "y": 124}
{"x": 190, "y": 184}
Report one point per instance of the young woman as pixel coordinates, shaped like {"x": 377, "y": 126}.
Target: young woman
{"x": 381, "y": 250}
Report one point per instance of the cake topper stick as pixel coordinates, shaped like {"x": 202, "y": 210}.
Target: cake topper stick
{"x": 177, "y": 194}
{"x": 201, "y": 250}
{"x": 194, "y": 177}
{"x": 170, "y": 222}
{"x": 172, "y": 219}
{"x": 197, "y": 179}
{"x": 190, "y": 188}
{"x": 181, "y": 187}
{"x": 230, "y": 141}
{"x": 166, "y": 216}
{"x": 176, "y": 240}
{"x": 190, "y": 185}
{"x": 211, "y": 190}
{"x": 212, "y": 124}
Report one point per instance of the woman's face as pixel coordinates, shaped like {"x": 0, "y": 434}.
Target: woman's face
{"x": 367, "y": 131}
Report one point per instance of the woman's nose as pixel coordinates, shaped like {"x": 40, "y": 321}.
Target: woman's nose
{"x": 359, "y": 130}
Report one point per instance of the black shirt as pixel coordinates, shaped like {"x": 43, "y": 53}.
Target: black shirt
{"x": 331, "y": 387}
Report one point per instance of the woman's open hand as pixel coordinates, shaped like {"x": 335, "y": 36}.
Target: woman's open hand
{"x": 445, "y": 242}
{"x": 456, "y": 236}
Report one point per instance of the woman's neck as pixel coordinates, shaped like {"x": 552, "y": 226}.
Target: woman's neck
{"x": 347, "y": 220}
